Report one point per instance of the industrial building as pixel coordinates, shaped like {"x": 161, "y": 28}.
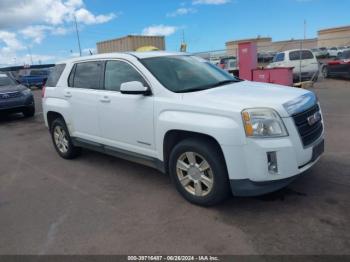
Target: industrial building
{"x": 338, "y": 36}
{"x": 130, "y": 43}
{"x": 265, "y": 44}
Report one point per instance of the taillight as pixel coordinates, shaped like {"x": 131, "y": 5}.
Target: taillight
{"x": 43, "y": 92}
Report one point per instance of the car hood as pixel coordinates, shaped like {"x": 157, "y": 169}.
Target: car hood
{"x": 242, "y": 95}
{"x": 12, "y": 88}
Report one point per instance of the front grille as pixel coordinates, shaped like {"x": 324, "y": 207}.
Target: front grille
{"x": 308, "y": 133}
{"x": 10, "y": 95}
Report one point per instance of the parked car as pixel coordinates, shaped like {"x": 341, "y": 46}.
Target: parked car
{"x": 213, "y": 133}
{"x": 334, "y": 51}
{"x": 266, "y": 57}
{"x": 15, "y": 98}
{"x": 324, "y": 52}
{"x": 36, "y": 78}
{"x": 339, "y": 67}
{"x": 304, "y": 63}
{"x": 317, "y": 52}
{"x": 229, "y": 64}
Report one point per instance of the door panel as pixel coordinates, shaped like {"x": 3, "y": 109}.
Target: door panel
{"x": 83, "y": 103}
{"x": 126, "y": 120}
{"x": 82, "y": 95}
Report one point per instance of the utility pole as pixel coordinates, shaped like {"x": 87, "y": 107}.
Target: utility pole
{"x": 305, "y": 25}
{"x": 30, "y": 55}
{"x": 77, "y": 31}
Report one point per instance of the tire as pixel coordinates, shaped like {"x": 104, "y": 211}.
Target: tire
{"x": 325, "y": 72}
{"x": 29, "y": 112}
{"x": 201, "y": 187}
{"x": 62, "y": 140}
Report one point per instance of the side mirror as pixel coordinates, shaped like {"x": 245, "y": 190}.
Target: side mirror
{"x": 134, "y": 88}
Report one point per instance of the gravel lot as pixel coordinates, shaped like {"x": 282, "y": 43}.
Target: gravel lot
{"x": 98, "y": 204}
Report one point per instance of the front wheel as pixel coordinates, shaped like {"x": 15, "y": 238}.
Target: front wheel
{"x": 325, "y": 72}
{"x": 29, "y": 112}
{"x": 198, "y": 169}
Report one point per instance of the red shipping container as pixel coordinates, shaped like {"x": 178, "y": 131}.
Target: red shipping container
{"x": 261, "y": 75}
{"x": 282, "y": 76}
{"x": 247, "y": 59}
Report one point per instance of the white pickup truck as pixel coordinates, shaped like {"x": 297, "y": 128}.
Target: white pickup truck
{"x": 215, "y": 135}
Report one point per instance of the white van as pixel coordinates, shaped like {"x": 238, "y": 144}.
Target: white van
{"x": 303, "y": 61}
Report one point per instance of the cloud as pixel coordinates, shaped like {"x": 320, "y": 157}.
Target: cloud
{"x": 36, "y": 33}
{"x": 182, "y": 11}
{"x": 15, "y": 14}
{"x": 10, "y": 40}
{"x": 30, "y": 21}
{"x": 86, "y": 17}
{"x": 210, "y": 2}
{"x": 159, "y": 30}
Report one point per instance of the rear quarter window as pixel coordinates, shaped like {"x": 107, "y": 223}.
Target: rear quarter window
{"x": 55, "y": 75}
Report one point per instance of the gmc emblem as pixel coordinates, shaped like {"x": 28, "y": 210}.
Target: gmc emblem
{"x": 314, "y": 118}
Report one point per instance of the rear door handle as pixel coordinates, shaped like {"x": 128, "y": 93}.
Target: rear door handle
{"x": 105, "y": 99}
{"x": 68, "y": 94}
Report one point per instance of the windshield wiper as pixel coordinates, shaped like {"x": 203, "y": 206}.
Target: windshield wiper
{"x": 193, "y": 89}
{"x": 206, "y": 87}
{"x": 222, "y": 83}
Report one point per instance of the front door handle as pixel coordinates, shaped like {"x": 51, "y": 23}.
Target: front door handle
{"x": 105, "y": 99}
{"x": 68, "y": 94}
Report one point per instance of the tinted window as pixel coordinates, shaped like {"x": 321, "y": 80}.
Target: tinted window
{"x": 303, "y": 54}
{"x": 187, "y": 73}
{"x": 333, "y": 48}
{"x": 5, "y": 80}
{"x": 345, "y": 55}
{"x": 55, "y": 75}
{"x": 87, "y": 75}
{"x": 118, "y": 72}
{"x": 39, "y": 73}
{"x": 279, "y": 57}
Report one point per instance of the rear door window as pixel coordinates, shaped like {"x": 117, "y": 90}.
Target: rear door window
{"x": 86, "y": 75}
{"x": 55, "y": 75}
{"x": 303, "y": 54}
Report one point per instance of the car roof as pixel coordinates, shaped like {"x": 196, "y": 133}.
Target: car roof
{"x": 125, "y": 55}
{"x": 292, "y": 50}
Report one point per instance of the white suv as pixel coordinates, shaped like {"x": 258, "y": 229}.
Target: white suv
{"x": 304, "y": 63}
{"x": 213, "y": 133}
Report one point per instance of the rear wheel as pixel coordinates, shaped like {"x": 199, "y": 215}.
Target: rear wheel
{"x": 62, "y": 140}
{"x": 198, "y": 170}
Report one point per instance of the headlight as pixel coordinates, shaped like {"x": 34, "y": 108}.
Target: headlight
{"x": 263, "y": 122}
{"x": 26, "y": 92}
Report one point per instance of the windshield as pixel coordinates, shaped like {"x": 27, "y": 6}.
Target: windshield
{"x": 5, "y": 80}
{"x": 182, "y": 74}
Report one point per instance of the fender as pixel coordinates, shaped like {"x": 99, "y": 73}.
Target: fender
{"x": 224, "y": 129}
{"x": 60, "y": 106}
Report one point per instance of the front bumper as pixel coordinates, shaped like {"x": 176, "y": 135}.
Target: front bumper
{"x": 248, "y": 166}
{"x": 16, "y": 104}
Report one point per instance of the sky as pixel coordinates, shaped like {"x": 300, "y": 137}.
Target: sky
{"x": 43, "y": 30}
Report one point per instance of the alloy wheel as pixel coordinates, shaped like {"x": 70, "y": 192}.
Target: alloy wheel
{"x": 61, "y": 139}
{"x": 195, "y": 174}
